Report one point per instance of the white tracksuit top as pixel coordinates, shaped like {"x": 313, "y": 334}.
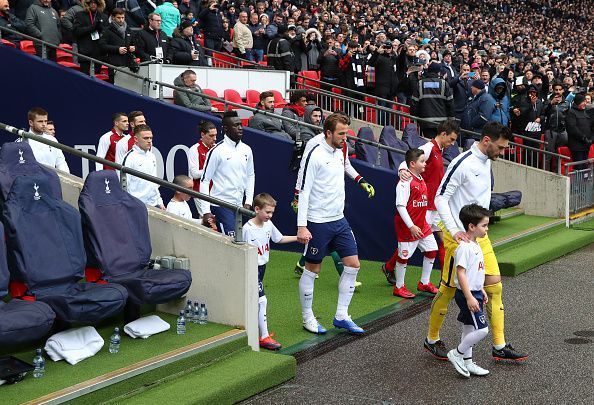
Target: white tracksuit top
{"x": 467, "y": 181}
{"x": 321, "y": 198}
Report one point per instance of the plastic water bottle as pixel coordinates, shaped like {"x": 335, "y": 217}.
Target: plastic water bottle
{"x": 39, "y": 364}
{"x": 203, "y": 315}
{"x": 189, "y": 311}
{"x": 181, "y": 323}
{"x": 196, "y": 313}
{"x": 114, "y": 341}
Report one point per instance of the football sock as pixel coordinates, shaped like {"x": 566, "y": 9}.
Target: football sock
{"x": 346, "y": 288}
{"x": 427, "y": 267}
{"x": 306, "y": 289}
{"x": 262, "y": 321}
{"x": 302, "y": 261}
{"x": 466, "y": 329}
{"x": 472, "y": 338}
{"x": 495, "y": 312}
{"x": 400, "y": 273}
{"x": 391, "y": 264}
{"x": 439, "y": 309}
{"x": 337, "y": 263}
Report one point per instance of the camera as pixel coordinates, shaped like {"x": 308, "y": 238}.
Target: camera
{"x": 387, "y": 44}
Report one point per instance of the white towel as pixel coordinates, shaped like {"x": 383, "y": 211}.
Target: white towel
{"x": 74, "y": 345}
{"x": 145, "y": 327}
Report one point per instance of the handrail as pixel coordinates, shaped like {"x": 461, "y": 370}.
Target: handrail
{"x": 579, "y": 162}
{"x": 126, "y": 170}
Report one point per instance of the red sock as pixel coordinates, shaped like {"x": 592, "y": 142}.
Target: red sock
{"x": 441, "y": 254}
{"x": 391, "y": 264}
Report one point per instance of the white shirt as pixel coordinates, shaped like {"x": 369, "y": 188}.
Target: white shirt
{"x": 145, "y": 191}
{"x": 121, "y": 149}
{"x": 47, "y": 155}
{"x": 260, "y": 238}
{"x": 317, "y": 140}
{"x": 470, "y": 256}
{"x": 321, "y": 198}
{"x": 467, "y": 181}
{"x": 180, "y": 208}
{"x": 426, "y": 148}
{"x": 230, "y": 166}
{"x": 194, "y": 162}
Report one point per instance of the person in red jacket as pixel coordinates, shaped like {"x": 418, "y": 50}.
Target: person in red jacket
{"x": 197, "y": 155}
{"x": 107, "y": 143}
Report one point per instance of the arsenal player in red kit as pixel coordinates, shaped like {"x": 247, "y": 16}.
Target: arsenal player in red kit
{"x": 107, "y": 143}
{"x": 197, "y": 155}
{"x": 412, "y": 228}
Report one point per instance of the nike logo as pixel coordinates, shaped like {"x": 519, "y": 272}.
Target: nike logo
{"x": 477, "y": 175}
{"x": 253, "y": 240}
{"x": 230, "y": 158}
{"x": 307, "y": 295}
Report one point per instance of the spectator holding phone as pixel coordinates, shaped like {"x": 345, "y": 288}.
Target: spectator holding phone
{"x": 461, "y": 89}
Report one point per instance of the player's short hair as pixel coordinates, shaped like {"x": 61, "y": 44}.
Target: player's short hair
{"x": 448, "y": 126}
{"x": 141, "y": 128}
{"x": 495, "y": 130}
{"x": 264, "y": 199}
{"x": 412, "y": 155}
{"x": 333, "y": 119}
{"x": 134, "y": 114}
{"x": 205, "y": 127}
{"x": 311, "y": 97}
{"x": 473, "y": 214}
{"x": 36, "y": 111}
{"x": 117, "y": 116}
{"x": 228, "y": 115}
{"x": 181, "y": 180}
{"x": 50, "y": 122}
{"x": 265, "y": 94}
{"x": 297, "y": 95}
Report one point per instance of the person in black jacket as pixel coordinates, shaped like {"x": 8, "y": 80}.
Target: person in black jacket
{"x": 184, "y": 49}
{"x": 556, "y": 108}
{"x": 211, "y": 22}
{"x": 8, "y": 20}
{"x": 330, "y": 73}
{"x": 88, "y": 26}
{"x": 151, "y": 41}
{"x": 386, "y": 79}
{"x": 579, "y": 130}
{"x": 280, "y": 56}
{"x": 117, "y": 42}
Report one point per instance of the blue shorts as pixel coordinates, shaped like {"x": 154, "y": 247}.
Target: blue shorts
{"x": 225, "y": 220}
{"x": 261, "y": 271}
{"x": 327, "y": 237}
{"x": 476, "y": 319}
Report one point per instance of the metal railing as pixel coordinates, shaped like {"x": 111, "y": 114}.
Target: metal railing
{"x": 239, "y": 210}
{"x": 581, "y": 185}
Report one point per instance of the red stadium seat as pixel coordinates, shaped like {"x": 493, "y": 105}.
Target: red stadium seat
{"x": 564, "y": 150}
{"x": 216, "y": 104}
{"x": 279, "y": 100}
{"x": 223, "y": 60}
{"x": 337, "y": 103}
{"x": 370, "y": 113}
{"x": 102, "y": 76}
{"x": 62, "y": 56}
{"x": 27, "y": 46}
{"x": 70, "y": 65}
{"x": 252, "y": 97}
{"x": 404, "y": 121}
{"x": 591, "y": 152}
{"x": 7, "y": 43}
{"x": 233, "y": 96}
{"x": 311, "y": 74}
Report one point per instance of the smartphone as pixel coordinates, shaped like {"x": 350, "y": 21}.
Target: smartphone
{"x": 471, "y": 74}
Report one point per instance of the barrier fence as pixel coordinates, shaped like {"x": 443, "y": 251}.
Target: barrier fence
{"x": 581, "y": 185}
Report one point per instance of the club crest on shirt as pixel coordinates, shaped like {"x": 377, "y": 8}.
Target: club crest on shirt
{"x": 36, "y": 196}
{"x": 313, "y": 250}
{"x": 21, "y": 159}
{"x": 482, "y": 319}
{"x": 107, "y": 190}
{"x": 404, "y": 253}
{"x": 481, "y": 266}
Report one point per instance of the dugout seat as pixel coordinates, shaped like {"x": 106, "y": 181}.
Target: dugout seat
{"x": 370, "y": 153}
{"x": 46, "y": 254}
{"x": 450, "y": 153}
{"x": 20, "y": 321}
{"x": 117, "y": 242}
{"x": 411, "y": 136}
{"x": 388, "y": 137}
{"x": 17, "y": 159}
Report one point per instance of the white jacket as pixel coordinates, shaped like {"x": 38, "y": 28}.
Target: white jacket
{"x": 146, "y": 162}
{"x": 48, "y": 155}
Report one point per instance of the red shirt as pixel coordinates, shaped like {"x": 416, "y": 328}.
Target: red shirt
{"x": 434, "y": 171}
{"x": 412, "y": 195}
{"x": 110, "y": 155}
{"x": 202, "y": 151}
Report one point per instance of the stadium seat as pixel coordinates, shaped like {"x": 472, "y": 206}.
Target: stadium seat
{"x": 117, "y": 241}
{"x": 450, "y": 153}
{"x": 21, "y": 321}
{"x": 63, "y": 56}
{"x": 411, "y": 136}
{"x": 564, "y": 150}
{"x": 591, "y": 152}
{"x": 370, "y": 113}
{"x": 17, "y": 159}
{"x": 7, "y": 43}
{"x": 388, "y": 137}
{"x": 311, "y": 74}
{"x": 468, "y": 143}
{"x": 370, "y": 153}
{"x": 46, "y": 254}
{"x": 217, "y": 104}
{"x": 70, "y": 65}
{"x": 223, "y": 60}
{"x": 27, "y": 46}
{"x": 234, "y": 97}
{"x": 404, "y": 121}
{"x": 337, "y": 103}
{"x": 279, "y": 100}
{"x": 252, "y": 97}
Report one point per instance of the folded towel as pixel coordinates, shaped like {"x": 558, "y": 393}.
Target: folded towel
{"x": 145, "y": 327}
{"x": 74, "y": 345}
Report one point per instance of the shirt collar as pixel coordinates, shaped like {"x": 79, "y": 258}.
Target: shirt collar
{"x": 230, "y": 142}
{"x": 477, "y": 152}
{"x": 139, "y": 150}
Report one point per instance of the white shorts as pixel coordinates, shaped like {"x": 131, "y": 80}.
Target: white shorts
{"x": 406, "y": 249}
{"x": 433, "y": 219}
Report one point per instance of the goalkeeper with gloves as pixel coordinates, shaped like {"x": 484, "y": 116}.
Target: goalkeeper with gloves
{"x": 351, "y": 172}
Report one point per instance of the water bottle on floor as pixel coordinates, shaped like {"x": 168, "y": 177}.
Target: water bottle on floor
{"x": 203, "y": 318}
{"x": 39, "y": 364}
{"x": 181, "y": 323}
{"x": 196, "y": 313}
{"x": 189, "y": 311}
{"x": 114, "y": 341}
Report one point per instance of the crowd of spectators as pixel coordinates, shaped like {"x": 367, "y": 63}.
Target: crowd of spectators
{"x": 487, "y": 59}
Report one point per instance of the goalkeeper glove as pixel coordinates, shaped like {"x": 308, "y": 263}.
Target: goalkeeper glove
{"x": 295, "y": 202}
{"x": 368, "y": 188}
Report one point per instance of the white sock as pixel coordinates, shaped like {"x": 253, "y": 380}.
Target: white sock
{"x": 466, "y": 329}
{"x": 471, "y": 339}
{"x": 499, "y": 347}
{"x": 431, "y": 341}
{"x": 262, "y": 321}
{"x": 400, "y": 273}
{"x": 427, "y": 267}
{"x": 306, "y": 289}
{"x": 346, "y": 287}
